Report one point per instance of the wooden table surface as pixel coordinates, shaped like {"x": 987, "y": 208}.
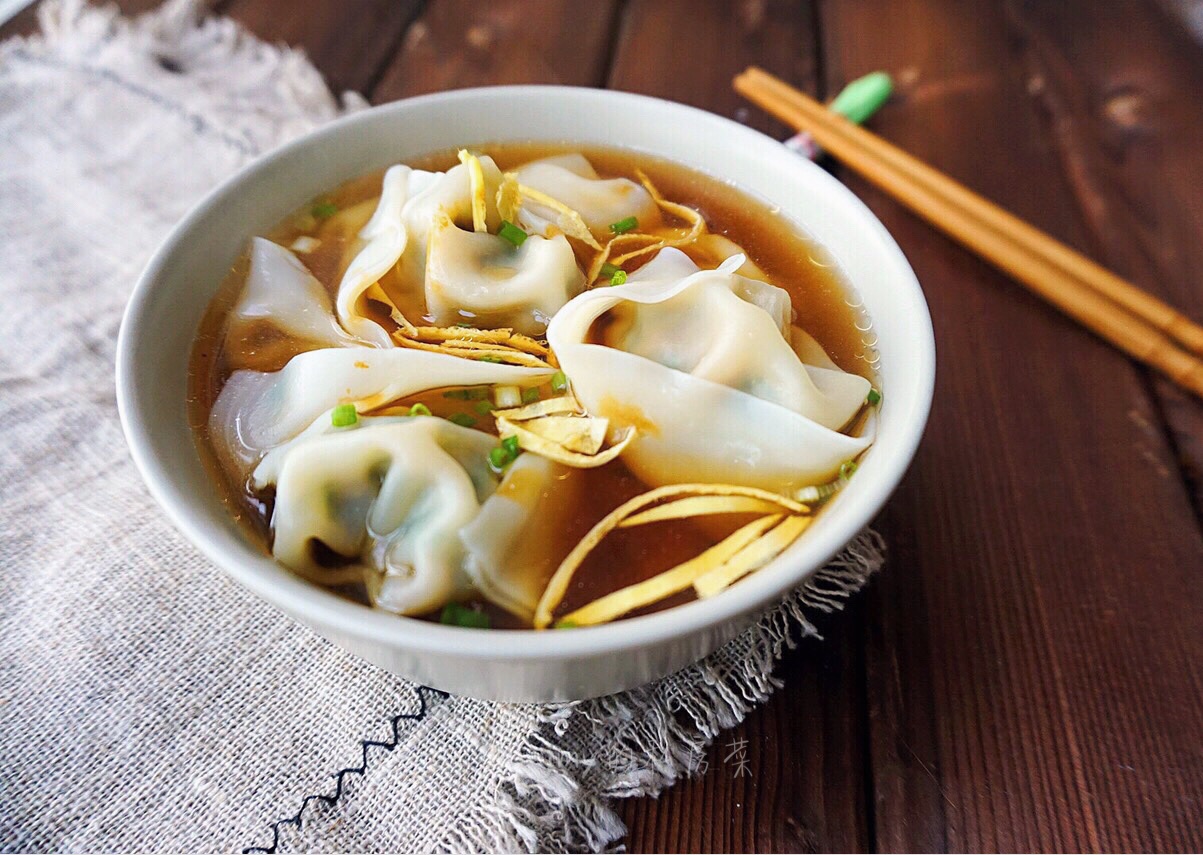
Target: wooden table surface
{"x": 1027, "y": 673}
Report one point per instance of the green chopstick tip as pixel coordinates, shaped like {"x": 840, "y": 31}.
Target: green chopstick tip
{"x": 863, "y": 97}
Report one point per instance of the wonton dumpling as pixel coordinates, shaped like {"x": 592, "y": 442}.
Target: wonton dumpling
{"x": 483, "y": 277}
{"x": 702, "y": 365}
{"x": 256, "y": 411}
{"x": 731, "y": 330}
{"x": 385, "y": 238}
{"x": 389, "y": 495}
{"x": 508, "y": 558}
{"x": 410, "y": 201}
{"x": 571, "y": 179}
{"x": 281, "y": 292}
{"x": 451, "y": 194}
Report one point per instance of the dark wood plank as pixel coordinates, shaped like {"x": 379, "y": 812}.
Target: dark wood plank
{"x": 806, "y": 783}
{"x": 1032, "y": 673}
{"x": 460, "y": 43}
{"x": 350, "y": 42}
{"x": 1119, "y": 84}
{"x": 1034, "y": 646}
{"x": 802, "y": 789}
{"x": 689, "y": 51}
{"x": 23, "y": 23}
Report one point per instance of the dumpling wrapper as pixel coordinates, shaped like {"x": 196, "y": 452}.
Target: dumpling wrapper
{"x": 732, "y": 330}
{"x": 572, "y": 180}
{"x": 450, "y": 193}
{"x": 410, "y": 201}
{"x": 389, "y": 495}
{"x": 385, "y": 238}
{"x": 483, "y": 277}
{"x": 281, "y": 292}
{"x": 701, "y": 364}
{"x": 508, "y": 557}
{"x": 257, "y": 411}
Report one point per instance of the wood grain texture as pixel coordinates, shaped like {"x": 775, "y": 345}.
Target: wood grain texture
{"x": 689, "y": 51}
{"x": 352, "y": 42}
{"x": 1118, "y": 84}
{"x": 460, "y": 43}
{"x": 1026, "y": 672}
{"x": 805, "y": 791}
{"x": 1032, "y": 647}
{"x": 23, "y": 23}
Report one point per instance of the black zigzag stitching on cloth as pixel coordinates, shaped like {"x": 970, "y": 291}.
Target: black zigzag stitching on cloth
{"x": 298, "y": 818}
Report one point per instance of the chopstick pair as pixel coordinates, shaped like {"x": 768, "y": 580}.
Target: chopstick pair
{"x": 1134, "y": 321}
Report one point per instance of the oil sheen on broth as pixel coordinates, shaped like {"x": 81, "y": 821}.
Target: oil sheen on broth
{"x": 790, "y": 261}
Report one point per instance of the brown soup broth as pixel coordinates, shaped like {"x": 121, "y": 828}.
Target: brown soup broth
{"x": 790, "y": 260}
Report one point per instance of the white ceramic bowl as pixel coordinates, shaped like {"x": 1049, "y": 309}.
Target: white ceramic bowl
{"x": 170, "y": 299}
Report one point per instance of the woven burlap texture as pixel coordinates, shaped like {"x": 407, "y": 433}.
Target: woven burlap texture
{"x": 148, "y": 703}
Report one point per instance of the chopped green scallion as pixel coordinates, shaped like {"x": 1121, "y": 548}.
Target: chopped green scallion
{"x": 323, "y": 210}
{"x": 463, "y": 324}
{"x": 624, "y": 225}
{"x": 462, "y": 419}
{"x": 873, "y": 398}
{"x": 608, "y": 270}
{"x": 619, "y": 278}
{"x": 344, "y": 415}
{"x": 483, "y": 407}
{"x": 499, "y": 458}
{"x": 510, "y": 444}
{"x": 565, "y": 624}
{"x": 490, "y": 359}
{"x": 454, "y": 614}
{"x": 847, "y": 468}
{"x": 419, "y": 409}
{"x": 530, "y": 394}
{"x": 511, "y": 233}
{"x": 559, "y": 382}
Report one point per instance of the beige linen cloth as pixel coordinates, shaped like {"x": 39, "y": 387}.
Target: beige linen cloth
{"x": 148, "y": 703}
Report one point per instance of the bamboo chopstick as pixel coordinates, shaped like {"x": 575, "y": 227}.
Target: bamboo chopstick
{"x": 1133, "y": 320}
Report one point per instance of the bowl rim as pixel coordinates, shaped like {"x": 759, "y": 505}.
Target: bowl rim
{"x": 322, "y": 608}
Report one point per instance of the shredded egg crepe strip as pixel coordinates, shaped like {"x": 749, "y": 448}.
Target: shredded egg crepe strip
{"x": 669, "y": 582}
{"x": 530, "y": 440}
{"x": 696, "y": 506}
{"x": 509, "y": 197}
{"x": 400, "y": 320}
{"x": 652, "y": 243}
{"x": 476, "y": 176}
{"x": 504, "y": 336}
{"x": 558, "y": 585}
{"x": 561, "y": 430}
{"x": 502, "y": 344}
{"x": 548, "y": 407}
{"x": 753, "y": 557}
{"x": 584, "y": 435}
{"x": 569, "y": 221}
{"x": 509, "y": 356}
